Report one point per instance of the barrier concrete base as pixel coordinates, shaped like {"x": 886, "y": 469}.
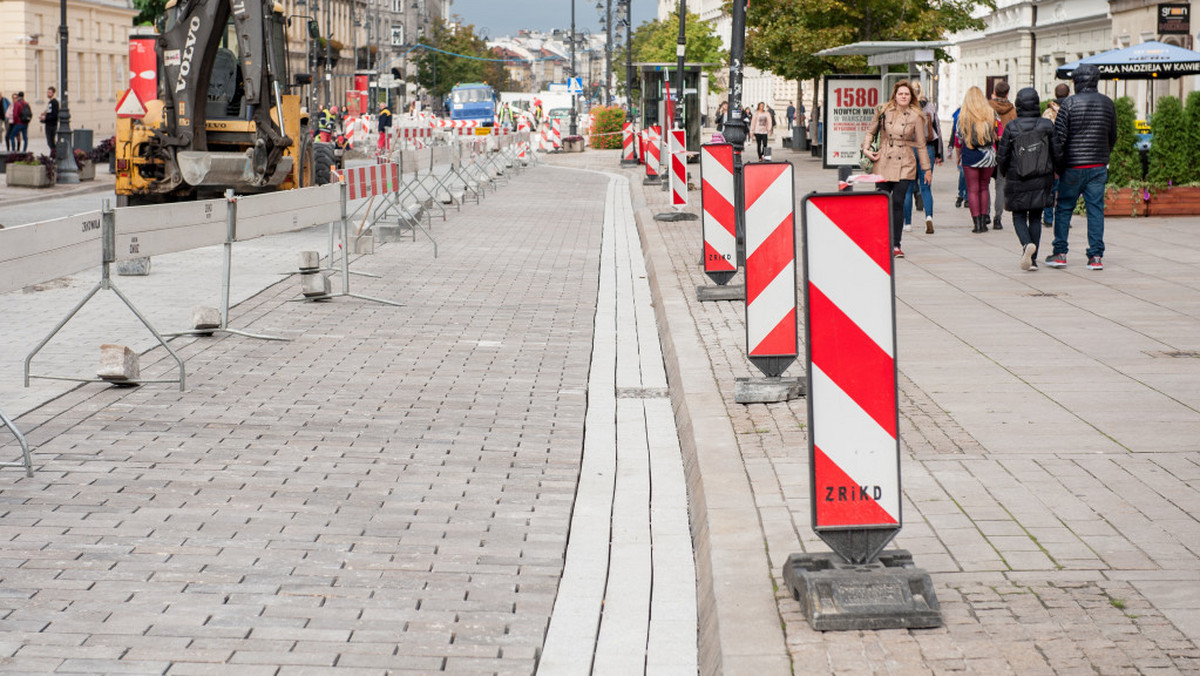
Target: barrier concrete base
{"x": 734, "y": 292}
{"x": 768, "y": 390}
{"x": 889, "y": 593}
{"x": 137, "y": 267}
{"x": 364, "y": 245}
{"x": 205, "y": 318}
{"x": 118, "y": 363}
{"x": 673, "y": 216}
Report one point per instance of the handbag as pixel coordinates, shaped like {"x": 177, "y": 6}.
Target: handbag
{"x": 864, "y": 162}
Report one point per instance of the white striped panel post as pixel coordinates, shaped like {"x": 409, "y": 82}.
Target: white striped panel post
{"x": 556, "y": 135}
{"x": 853, "y": 420}
{"x": 627, "y": 143}
{"x": 717, "y": 211}
{"x": 679, "y": 189}
{"x": 652, "y": 159}
{"x": 771, "y": 334}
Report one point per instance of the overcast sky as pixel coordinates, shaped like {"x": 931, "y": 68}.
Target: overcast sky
{"x": 506, "y": 17}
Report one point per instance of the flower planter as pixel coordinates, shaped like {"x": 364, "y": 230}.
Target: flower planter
{"x": 88, "y": 172}
{"x": 27, "y": 175}
{"x": 1126, "y": 202}
{"x": 1176, "y": 201}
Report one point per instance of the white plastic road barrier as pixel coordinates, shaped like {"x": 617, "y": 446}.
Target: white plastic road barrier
{"x": 679, "y": 187}
{"x": 717, "y": 211}
{"x": 852, "y": 413}
{"x": 159, "y": 229}
{"x": 38, "y": 252}
{"x": 556, "y": 134}
{"x": 771, "y": 336}
{"x": 286, "y": 211}
{"x": 372, "y": 180}
{"x": 652, "y": 159}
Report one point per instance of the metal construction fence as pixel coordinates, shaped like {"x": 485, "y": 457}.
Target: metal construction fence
{"x": 402, "y": 189}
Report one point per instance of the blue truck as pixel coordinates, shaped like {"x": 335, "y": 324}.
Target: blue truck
{"x": 473, "y": 101}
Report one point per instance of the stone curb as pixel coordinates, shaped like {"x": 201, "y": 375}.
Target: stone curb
{"x": 740, "y": 630}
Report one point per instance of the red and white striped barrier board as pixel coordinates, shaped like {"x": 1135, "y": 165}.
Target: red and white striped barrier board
{"x": 627, "y": 142}
{"x": 641, "y": 141}
{"x": 652, "y": 148}
{"x": 371, "y": 180}
{"x": 716, "y": 205}
{"x": 413, "y": 132}
{"x": 851, "y": 329}
{"x": 679, "y": 188}
{"x": 771, "y": 336}
{"x": 556, "y": 134}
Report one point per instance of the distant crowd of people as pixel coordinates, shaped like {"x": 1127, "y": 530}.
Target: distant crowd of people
{"x": 17, "y": 114}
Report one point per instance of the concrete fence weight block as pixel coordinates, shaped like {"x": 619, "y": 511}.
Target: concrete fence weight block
{"x": 204, "y": 318}
{"x": 118, "y": 363}
{"x": 364, "y": 245}
{"x": 315, "y": 285}
{"x": 310, "y": 260}
{"x": 137, "y": 267}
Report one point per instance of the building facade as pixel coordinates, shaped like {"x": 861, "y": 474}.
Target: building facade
{"x": 97, "y": 61}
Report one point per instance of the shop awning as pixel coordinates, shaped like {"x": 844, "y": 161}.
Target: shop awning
{"x": 1149, "y": 60}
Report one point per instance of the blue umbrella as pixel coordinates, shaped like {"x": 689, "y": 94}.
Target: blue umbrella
{"x": 1140, "y": 62}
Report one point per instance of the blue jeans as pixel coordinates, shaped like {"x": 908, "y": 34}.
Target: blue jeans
{"x": 926, "y": 193}
{"x": 1048, "y": 212}
{"x": 1071, "y": 184}
{"x": 962, "y": 183}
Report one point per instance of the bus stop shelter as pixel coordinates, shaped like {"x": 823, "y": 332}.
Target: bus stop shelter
{"x": 654, "y": 79}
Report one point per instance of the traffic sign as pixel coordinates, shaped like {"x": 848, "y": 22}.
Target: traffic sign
{"x": 575, "y": 85}
{"x": 854, "y": 441}
{"x": 130, "y": 105}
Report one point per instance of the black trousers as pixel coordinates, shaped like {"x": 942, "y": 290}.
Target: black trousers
{"x": 1029, "y": 228}
{"x": 896, "y": 191}
{"x": 51, "y": 131}
{"x": 760, "y": 142}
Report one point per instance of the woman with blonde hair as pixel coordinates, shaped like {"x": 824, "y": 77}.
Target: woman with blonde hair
{"x": 977, "y": 137}
{"x": 901, "y": 127}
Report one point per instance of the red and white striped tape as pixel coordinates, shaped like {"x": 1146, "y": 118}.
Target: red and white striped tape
{"x": 716, "y": 203}
{"x": 370, "y": 181}
{"x": 770, "y": 262}
{"x": 852, "y": 381}
{"x": 679, "y": 188}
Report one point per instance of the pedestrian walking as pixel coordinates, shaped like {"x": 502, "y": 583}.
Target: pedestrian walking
{"x": 722, "y": 113}
{"x": 5, "y": 118}
{"x": 761, "y": 126}
{"x": 977, "y": 136}
{"x": 22, "y": 114}
{"x": 49, "y": 117}
{"x": 1026, "y": 161}
{"x": 933, "y": 147}
{"x": 1061, "y": 92}
{"x": 791, "y": 116}
{"x": 1005, "y": 113}
{"x": 1085, "y": 132}
{"x": 901, "y": 128}
{"x": 956, "y": 148}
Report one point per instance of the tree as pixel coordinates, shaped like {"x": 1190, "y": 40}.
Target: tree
{"x": 453, "y": 55}
{"x": 1169, "y": 161}
{"x": 1125, "y": 163}
{"x": 655, "y": 41}
{"x": 783, "y": 36}
{"x": 148, "y": 11}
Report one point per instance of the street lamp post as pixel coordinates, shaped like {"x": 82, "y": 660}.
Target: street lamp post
{"x": 628, "y": 57}
{"x": 680, "y": 49}
{"x": 65, "y": 166}
{"x": 574, "y": 103}
{"x": 736, "y": 128}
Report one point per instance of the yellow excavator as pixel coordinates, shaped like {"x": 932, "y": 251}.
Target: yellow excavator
{"x": 224, "y": 117}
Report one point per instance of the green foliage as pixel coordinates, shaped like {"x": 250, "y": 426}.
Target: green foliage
{"x": 438, "y": 72}
{"x": 1125, "y": 163}
{"x": 1169, "y": 153}
{"x": 607, "y": 122}
{"x": 148, "y": 11}
{"x": 655, "y": 41}
{"x": 1192, "y": 115}
{"x": 783, "y": 36}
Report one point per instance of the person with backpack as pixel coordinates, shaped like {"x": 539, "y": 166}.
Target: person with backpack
{"x": 1026, "y": 162}
{"x": 22, "y": 114}
{"x": 1005, "y": 113}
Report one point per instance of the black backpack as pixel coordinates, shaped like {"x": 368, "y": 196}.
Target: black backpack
{"x": 26, "y": 113}
{"x": 1031, "y": 155}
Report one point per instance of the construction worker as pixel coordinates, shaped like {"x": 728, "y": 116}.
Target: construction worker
{"x": 385, "y": 129}
{"x": 325, "y": 125}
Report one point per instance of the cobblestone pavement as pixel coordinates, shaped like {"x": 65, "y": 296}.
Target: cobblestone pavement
{"x": 389, "y": 492}
{"x": 1051, "y": 461}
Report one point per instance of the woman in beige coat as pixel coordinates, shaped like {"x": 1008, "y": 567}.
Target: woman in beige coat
{"x": 901, "y": 127}
{"x": 761, "y": 127}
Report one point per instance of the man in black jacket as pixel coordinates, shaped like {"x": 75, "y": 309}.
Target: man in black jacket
{"x": 1085, "y": 132}
{"x": 50, "y": 119}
